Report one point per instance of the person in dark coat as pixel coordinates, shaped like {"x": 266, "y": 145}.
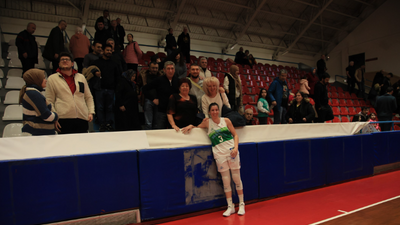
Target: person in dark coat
{"x": 55, "y": 44}
{"x": 239, "y": 57}
{"x": 279, "y": 94}
{"x": 300, "y": 110}
{"x": 321, "y": 67}
{"x": 122, "y": 33}
{"x": 361, "y": 116}
{"x": 385, "y": 106}
{"x": 171, "y": 42}
{"x": 386, "y": 83}
{"x": 351, "y": 79}
{"x": 102, "y": 34}
{"x": 321, "y": 99}
{"x": 184, "y": 44}
{"x": 105, "y": 19}
{"x": 126, "y": 102}
{"x": 114, "y": 32}
{"x": 396, "y": 94}
{"x": 27, "y": 47}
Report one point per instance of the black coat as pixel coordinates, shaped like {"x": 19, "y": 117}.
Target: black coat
{"x": 171, "y": 42}
{"x": 164, "y": 89}
{"x": 305, "y": 110}
{"x": 106, "y": 24}
{"x": 26, "y": 43}
{"x": 320, "y": 95}
{"x": 121, "y": 31}
{"x": 232, "y": 91}
{"x": 385, "y": 105}
{"x": 184, "y": 42}
{"x": 102, "y": 36}
{"x": 321, "y": 67}
{"x": 54, "y": 44}
{"x": 126, "y": 95}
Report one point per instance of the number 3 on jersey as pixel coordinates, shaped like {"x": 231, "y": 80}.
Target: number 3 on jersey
{"x": 220, "y": 139}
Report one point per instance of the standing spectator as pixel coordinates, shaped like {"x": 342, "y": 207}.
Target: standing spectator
{"x": 351, "y": 80}
{"x": 396, "y": 94}
{"x": 27, "y": 47}
{"x": 252, "y": 60}
{"x": 69, "y": 93}
{"x": 93, "y": 56}
{"x": 304, "y": 88}
{"x": 132, "y": 53}
{"x": 246, "y": 60}
{"x": 378, "y": 78}
{"x": 79, "y": 46}
{"x": 312, "y": 79}
{"x": 121, "y": 31}
{"x": 149, "y": 107}
{"x": 164, "y": 87}
{"x": 248, "y": 116}
{"x": 359, "y": 75}
{"x": 239, "y": 58}
{"x": 385, "y": 106}
{"x": 114, "y": 32}
{"x": 361, "y": 116}
{"x": 233, "y": 88}
{"x": 102, "y": 34}
{"x": 180, "y": 65}
{"x": 300, "y": 110}
{"x": 263, "y": 106}
{"x": 386, "y": 83}
{"x": 105, "y": 20}
{"x": 38, "y": 118}
{"x": 321, "y": 100}
{"x": 182, "y": 107}
{"x": 213, "y": 94}
{"x": 204, "y": 72}
{"x": 279, "y": 94}
{"x": 197, "y": 85}
{"x": 184, "y": 44}
{"x": 55, "y": 44}
{"x": 104, "y": 96}
{"x": 321, "y": 67}
{"x": 171, "y": 42}
{"x": 117, "y": 57}
{"x": 126, "y": 102}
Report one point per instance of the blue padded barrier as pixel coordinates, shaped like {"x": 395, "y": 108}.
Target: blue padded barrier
{"x": 55, "y": 189}
{"x": 286, "y": 166}
{"x": 349, "y": 157}
{"x": 184, "y": 180}
{"x": 386, "y": 147}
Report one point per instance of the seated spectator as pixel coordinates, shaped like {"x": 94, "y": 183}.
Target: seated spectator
{"x": 102, "y": 34}
{"x": 132, "y": 53}
{"x": 300, "y": 110}
{"x": 233, "y": 87}
{"x": 204, "y": 72}
{"x": 197, "y": 85}
{"x": 362, "y": 116}
{"x": 373, "y": 118}
{"x": 263, "y": 106}
{"x": 210, "y": 88}
{"x": 79, "y": 46}
{"x": 93, "y": 56}
{"x": 252, "y": 60}
{"x": 248, "y": 116}
{"x": 304, "y": 88}
{"x": 182, "y": 108}
{"x": 180, "y": 65}
{"x": 126, "y": 102}
{"x": 38, "y": 117}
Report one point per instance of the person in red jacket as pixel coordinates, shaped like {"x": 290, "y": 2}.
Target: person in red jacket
{"x": 79, "y": 46}
{"x": 132, "y": 53}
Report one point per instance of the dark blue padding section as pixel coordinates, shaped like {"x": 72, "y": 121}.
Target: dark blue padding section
{"x": 394, "y": 146}
{"x": 286, "y": 166}
{"x": 55, "y": 189}
{"x": 174, "y": 181}
{"x": 381, "y": 148}
{"x": 349, "y": 157}
{"x": 108, "y": 182}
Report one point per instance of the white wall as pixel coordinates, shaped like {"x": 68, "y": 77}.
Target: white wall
{"x": 213, "y": 49}
{"x": 378, "y": 36}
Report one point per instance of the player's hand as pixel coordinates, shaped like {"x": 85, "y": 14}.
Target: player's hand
{"x": 234, "y": 152}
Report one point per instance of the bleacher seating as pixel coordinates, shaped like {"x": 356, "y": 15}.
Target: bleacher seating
{"x": 12, "y": 48}
{"x": 1, "y": 74}
{"x": 14, "y": 83}
{"x": 12, "y": 55}
{"x": 14, "y": 73}
{"x": 12, "y": 97}
{"x": 14, "y": 63}
{"x": 13, "y": 130}
{"x": 13, "y": 112}
{"x": 1, "y": 84}
{"x": 2, "y": 63}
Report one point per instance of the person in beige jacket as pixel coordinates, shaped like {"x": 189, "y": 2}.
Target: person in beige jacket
{"x": 70, "y": 96}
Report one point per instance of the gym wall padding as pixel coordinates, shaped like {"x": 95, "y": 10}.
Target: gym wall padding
{"x": 349, "y": 157}
{"x": 286, "y": 166}
{"x": 386, "y": 147}
{"x": 55, "y": 189}
{"x": 184, "y": 180}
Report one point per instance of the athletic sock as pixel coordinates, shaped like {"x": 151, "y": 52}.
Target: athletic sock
{"x": 241, "y": 198}
{"x": 229, "y": 201}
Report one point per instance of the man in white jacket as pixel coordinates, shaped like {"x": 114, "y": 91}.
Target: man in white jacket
{"x": 204, "y": 72}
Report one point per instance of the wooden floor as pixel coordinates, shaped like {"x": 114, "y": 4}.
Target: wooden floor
{"x": 357, "y": 203}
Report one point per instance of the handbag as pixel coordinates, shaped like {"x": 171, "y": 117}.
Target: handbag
{"x": 236, "y": 119}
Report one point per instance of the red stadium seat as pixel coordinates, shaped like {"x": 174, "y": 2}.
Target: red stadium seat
{"x": 356, "y": 103}
{"x": 363, "y": 103}
{"x": 335, "y": 102}
{"x": 329, "y": 121}
{"x": 345, "y": 119}
{"x": 150, "y": 53}
{"x": 161, "y": 55}
{"x": 352, "y": 111}
{"x": 246, "y": 99}
{"x": 255, "y": 113}
{"x": 270, "y": 121}
{"x": 339, "y": 89}
{"x": 372, "y": 110}
{"x": 251, "y": 84}
{"x": 342, "y": 102}
{"x": 336, "y": 111}
{"x": 347, "y": 95}
{"x": 358, "y": 109}
{"x": 336, "y": 120}
{"x": 353, "y": 96}
{"x": 335, "y": 95}
{"x": 343, "y": 111}
{"x": 333, "y": 89}
{"x": 341, "y": 95}
{"x": 245, "y": 90}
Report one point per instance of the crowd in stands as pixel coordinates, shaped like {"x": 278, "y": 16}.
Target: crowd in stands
{"x": 174, "y": 91}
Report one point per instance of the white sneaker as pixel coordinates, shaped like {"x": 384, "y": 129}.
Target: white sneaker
{"x": 229, "y": 211}
{"x": 241, "y": 209}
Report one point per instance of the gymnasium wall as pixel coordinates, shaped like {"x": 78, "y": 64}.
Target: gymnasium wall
{"x": 378, "y": 37}
{"x": 148, "y": 42}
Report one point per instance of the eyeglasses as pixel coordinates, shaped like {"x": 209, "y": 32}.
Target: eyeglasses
{"x": 65, "y": 59}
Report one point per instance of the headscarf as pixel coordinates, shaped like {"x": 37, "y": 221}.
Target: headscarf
{"x": 32, "y": 77}
{"x": 128, "y": 75}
